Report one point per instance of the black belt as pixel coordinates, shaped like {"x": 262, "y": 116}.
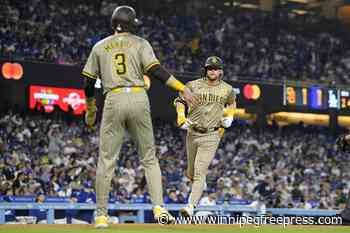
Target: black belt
{"x": 204, "y": 130}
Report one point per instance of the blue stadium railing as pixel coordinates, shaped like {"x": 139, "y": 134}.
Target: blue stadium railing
{"x": 141, "y": 208}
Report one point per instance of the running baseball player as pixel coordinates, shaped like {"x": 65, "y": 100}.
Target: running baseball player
{"x": 120, "y": 61}
{"x": 203, "y": 123}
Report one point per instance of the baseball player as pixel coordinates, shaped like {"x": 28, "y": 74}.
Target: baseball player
{"x": 203, "y": 122}
{"x": 120, "y": 61}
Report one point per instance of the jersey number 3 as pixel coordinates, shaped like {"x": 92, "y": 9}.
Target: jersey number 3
{"x": 120, "y": 65}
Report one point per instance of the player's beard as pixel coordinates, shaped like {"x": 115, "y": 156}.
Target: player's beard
{"x": 213, "y": 77}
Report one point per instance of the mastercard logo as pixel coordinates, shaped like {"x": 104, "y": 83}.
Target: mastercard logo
{"x": 12, "y": 70}
{"x": 251, "y": 92}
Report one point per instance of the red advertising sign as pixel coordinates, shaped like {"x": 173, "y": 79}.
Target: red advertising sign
{"x": 49, "y": 97}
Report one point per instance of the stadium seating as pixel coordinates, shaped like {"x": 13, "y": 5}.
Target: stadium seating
{"x": 253, "y": 44}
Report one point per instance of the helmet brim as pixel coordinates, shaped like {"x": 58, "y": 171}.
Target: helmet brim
{"x": 219, "y": 67}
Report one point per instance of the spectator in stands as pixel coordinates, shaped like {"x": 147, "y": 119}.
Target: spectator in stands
{"x": 208, "y": 199}
{"x": 171, "y": 197}
{"x": 55, "y": 142}
{"x": 39, "y": 214}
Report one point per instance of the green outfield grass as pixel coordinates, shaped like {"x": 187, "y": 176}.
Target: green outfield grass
{"x": 152, "y": 228}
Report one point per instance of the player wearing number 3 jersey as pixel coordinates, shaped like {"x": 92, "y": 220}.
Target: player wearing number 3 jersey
{"x": 120, "y": 61}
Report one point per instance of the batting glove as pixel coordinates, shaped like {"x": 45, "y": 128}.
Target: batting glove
{"x": 183, "y": 122}
{"x": 186, "y": 125}
{"x": 181, "y": 119}
{"x": 91, "y": 109}
{"x": 226, "y": 122}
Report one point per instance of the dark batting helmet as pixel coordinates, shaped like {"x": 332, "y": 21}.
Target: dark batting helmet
{"x": 214, "y": 61}
{"x": 124, "y": 19}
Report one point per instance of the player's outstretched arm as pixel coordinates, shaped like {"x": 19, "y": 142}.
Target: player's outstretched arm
{"x": 160, "y": 73}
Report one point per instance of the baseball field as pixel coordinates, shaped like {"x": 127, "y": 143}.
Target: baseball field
{"x": 154, "y": 228}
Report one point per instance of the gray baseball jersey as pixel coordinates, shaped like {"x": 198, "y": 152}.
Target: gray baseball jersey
{"x": 120, "y": 60}
{"x": 213, "y": 99}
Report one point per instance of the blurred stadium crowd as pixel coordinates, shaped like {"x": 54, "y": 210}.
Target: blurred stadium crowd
{"x": 292, "y": 166}
{"x": 252, "y": 43}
